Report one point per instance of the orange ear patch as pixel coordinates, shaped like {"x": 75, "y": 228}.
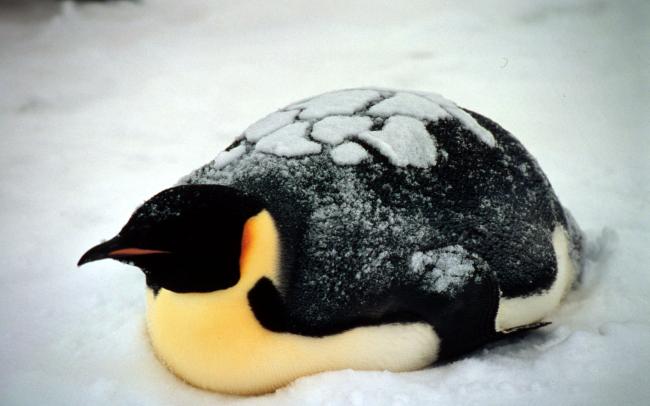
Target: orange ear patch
{"x": 260, "y": 249}
{"x": 246, "y": 240}
{"x": 135, "y": 251}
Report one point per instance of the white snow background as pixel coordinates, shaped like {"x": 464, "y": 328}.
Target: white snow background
{"x": 103, "y": 105}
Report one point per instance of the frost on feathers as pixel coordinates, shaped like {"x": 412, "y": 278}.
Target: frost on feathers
{"x": 443, "y": 270}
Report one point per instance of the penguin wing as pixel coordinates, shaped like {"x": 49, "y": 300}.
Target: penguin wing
{"x": 457, "y": 293}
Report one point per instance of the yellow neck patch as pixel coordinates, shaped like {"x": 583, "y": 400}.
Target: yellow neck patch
{"x": 213, "y": 340}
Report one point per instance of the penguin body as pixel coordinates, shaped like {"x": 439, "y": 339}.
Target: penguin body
{"x": 364, "y": 229}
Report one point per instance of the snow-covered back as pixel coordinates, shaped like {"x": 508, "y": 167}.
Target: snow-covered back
{"x": 331, "y": 118}
{"x": 104, "y": 105}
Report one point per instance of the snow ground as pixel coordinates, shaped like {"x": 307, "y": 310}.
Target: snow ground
{"x": 101, "y": 106}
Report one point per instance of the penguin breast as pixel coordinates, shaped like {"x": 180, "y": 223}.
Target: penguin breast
{"x": 213, "y": 341}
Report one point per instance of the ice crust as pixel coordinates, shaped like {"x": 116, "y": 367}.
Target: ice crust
{"x": 339, "y": 102}
{"x": 461, "y": 115}
{"x": 289, "y": 141}
{"x": 404, "y": 141}
{"x": 334, "y": 130}
{"x": 270, "y": 123}
{"x": 226, "y": 157}
{"x": 409, "y": 104}
{"x": 349, "y": 153}
{"x": 392, "y": 122}
{"x": 471, "y": 124}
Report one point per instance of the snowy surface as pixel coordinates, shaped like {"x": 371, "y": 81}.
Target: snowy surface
{"x": 102, "y": 106}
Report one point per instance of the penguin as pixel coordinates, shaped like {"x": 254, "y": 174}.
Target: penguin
{"x": 370, "y": 229}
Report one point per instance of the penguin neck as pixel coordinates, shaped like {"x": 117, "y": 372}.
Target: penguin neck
{"x": 259, "y": 258}
{"x": 183, "y": 326}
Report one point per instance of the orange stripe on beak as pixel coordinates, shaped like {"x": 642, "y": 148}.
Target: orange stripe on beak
{"x": 135, "y": 251}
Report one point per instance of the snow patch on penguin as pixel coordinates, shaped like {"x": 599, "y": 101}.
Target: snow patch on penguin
{"x": 443, "y": 270}
{"x": 270, "y": 123}
{"x": 334, "y": 130}
{"x": 349, "y": 153}
{"x": 464, "y": 117}
{"x": 224, "y": 158}
{"x": 343, "y": 102}
{"x": 289, "y": 141}
{"x": 404, "y": 141}
{"x": 409, "y": 105}
{"x": 394, "y": 123}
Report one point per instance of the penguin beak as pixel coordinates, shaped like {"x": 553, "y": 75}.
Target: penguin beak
{"x": 100, "y": 251}
{"x": 115, "y": 250}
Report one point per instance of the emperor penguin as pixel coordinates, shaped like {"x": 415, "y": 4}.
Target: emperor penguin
{"x": 369, "y": 229}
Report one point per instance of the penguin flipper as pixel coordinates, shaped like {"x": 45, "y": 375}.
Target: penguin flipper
{"x": 458, "y": 294}
{"x": 517, "y": 331}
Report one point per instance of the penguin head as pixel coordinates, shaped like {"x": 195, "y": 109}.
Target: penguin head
{"x": 185, "y": 239}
